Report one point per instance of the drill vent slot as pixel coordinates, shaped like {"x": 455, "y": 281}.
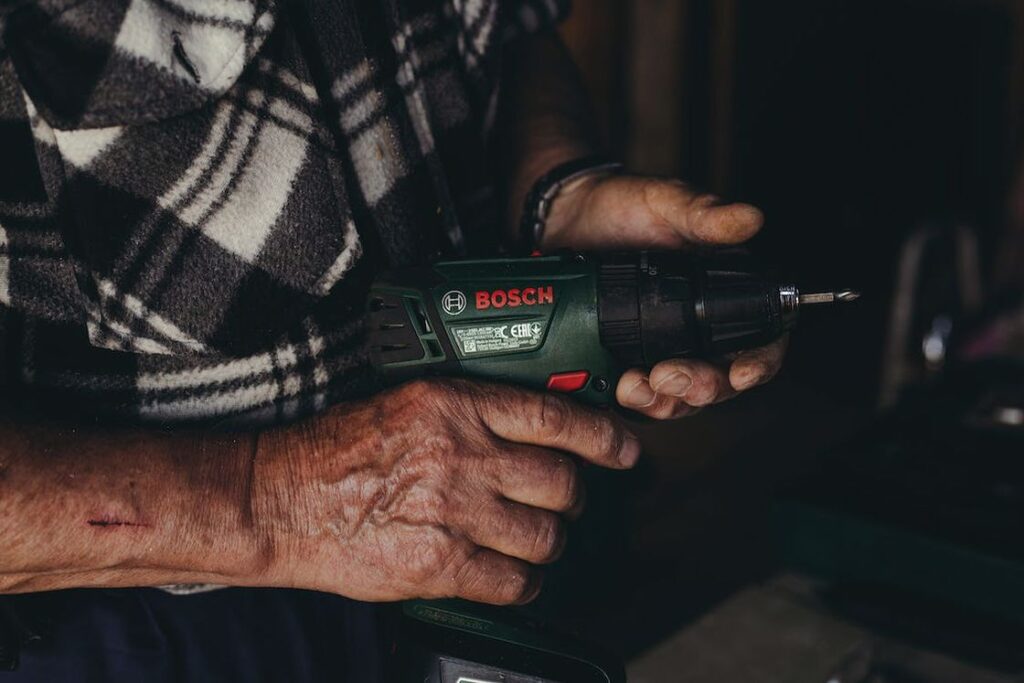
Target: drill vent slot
{"x": 421, "y": 315}
{"x": 379, "y": 304}
{"x": 393, "y": 334}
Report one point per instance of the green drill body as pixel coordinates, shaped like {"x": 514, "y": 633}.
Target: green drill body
{"x": 571, "y": 322}
{"x": 519, "y": 321}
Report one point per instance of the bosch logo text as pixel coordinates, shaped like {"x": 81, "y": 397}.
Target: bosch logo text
{"x": 512, "y": 298}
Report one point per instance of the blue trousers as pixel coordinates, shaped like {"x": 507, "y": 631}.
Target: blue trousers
{"x": 234, "y": 634}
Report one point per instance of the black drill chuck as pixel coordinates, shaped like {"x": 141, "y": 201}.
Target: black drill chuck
{"x": 654, "y": 306}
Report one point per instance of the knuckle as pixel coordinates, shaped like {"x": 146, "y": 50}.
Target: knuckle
{"x": 515, "y": 586}
{"x": 551, "y": 416}
{"x": 419, "y": 389}
{"x": 466, "y": 574}
{"x": 651, "y": 194}
{"x": 598, "y": 437}
{"x": 444, "y": 394}
{"x": 475, "y": 579}
{"x": 431, "y": 504}
{"x": 704, "y": 391}
{"x": 440, "y": 444}
{"x": 565, "y": 478}
{"x": 665, "y": 409}
{"x": 549, "y": 538}
{"x": 702, "y": 399}
{"x": 706, "y": 200}
{"x": 609, "y": 438}
{"x": 431, "y": 558}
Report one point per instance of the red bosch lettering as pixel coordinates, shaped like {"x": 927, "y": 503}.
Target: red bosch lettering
{"x": 513, "y": 298}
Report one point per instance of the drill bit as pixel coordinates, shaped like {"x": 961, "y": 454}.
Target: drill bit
{"x": 839, "y": 296}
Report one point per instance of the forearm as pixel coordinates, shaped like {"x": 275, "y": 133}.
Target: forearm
{"x": 546, "y": 115}
{"x": 80, "y": 507}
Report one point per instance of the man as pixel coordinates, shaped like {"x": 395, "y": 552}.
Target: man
{"x": 195, "y": 196}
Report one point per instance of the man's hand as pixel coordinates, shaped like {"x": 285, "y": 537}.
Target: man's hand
{"x": 628, "y": 212}
{"x": 442, "y": 488}
{"x": 548, "y": 122}
{"x": 436, "y": 489}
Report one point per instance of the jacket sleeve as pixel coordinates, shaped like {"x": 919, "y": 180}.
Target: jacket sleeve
{"x": 36, "y": 274}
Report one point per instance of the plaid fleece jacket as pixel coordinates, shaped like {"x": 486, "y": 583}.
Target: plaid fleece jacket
{"x": 194, "y": 194}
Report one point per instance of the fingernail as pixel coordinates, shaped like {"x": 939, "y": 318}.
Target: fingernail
{"x": 675, "y": 384}
{"x": 640, "y": 394}
{"x": 747, "y": 378}
{"x": 630, "y": 451}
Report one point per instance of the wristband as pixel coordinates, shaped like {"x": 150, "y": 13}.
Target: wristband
{"x": 541, "y": 196}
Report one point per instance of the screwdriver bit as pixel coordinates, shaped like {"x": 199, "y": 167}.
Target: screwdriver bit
{"x": 840, "y": 296}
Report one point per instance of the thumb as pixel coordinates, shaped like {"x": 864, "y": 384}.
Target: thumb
{"x": 702, "y": 218}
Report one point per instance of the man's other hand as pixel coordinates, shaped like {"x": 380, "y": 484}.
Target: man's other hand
{"x": 629, "y": 212}
{"x": 440, "y": 488}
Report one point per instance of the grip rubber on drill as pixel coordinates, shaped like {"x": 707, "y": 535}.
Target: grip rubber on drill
{"x": 661, "y": 305}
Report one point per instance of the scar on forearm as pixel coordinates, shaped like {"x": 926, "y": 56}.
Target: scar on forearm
{"x": 113, "y": 522}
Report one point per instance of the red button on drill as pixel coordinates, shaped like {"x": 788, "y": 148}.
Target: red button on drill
{"x": 568, "y": 381}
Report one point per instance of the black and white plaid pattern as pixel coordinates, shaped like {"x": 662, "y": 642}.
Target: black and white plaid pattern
{"x": 194, "y": 194}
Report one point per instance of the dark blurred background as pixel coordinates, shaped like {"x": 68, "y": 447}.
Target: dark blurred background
{"x": 882, "y": 138}
{"x": 851, "y": 123}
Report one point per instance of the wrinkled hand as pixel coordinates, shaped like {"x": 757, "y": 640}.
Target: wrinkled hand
{"x": 435, "y": 489}
{"x": 628, "y": 212}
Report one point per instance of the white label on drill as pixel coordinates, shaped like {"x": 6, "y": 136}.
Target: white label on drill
{"x": 498, "y": 337}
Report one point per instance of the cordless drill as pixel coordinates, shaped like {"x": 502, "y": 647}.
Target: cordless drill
{"x": 572, "y": 323}
{"x": 568, "y": 323}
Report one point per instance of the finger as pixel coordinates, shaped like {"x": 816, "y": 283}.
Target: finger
{"x": 576, "y": 510}
{"x": 695, "y": 382}
{"x": 668, "y": 408}
{"x": 528, "y": 533}
{"x": 491, "y": 577}
{"x": 701, "y": 218}
{"x": 757, "y": 366}
{"x": 717, "y": 224}
{"x": 540, "y": 478}
{"x": 634, "y": 392}
{"x": 545, "y": 419}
